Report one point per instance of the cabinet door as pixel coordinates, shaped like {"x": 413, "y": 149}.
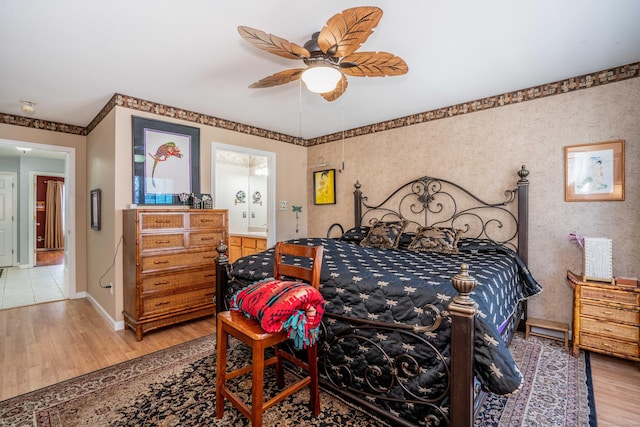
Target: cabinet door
{"x": 235, "y": 252}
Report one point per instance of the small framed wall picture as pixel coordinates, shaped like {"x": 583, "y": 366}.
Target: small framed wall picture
{"x": 324, "y": 187}
{"x": 95, "y": 209}
{"x": 594, "y": 172}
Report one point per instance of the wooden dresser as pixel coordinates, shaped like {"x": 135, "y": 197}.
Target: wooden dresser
{"x": 240, "y": 246}
{"x": 169, "y": 265}
{"x": 606, "y": 318}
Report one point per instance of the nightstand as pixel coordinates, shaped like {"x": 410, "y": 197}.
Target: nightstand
{"x": 606, "y": 318}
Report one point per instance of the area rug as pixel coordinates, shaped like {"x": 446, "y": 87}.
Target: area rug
{"x": 557, "y": 390}
{"x": 175, "y": 387}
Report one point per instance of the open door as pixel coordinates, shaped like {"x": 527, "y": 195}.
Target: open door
{"x": 49, "y": 220}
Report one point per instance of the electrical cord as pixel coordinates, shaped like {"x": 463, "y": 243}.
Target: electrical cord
{"x": 111, "y": 266}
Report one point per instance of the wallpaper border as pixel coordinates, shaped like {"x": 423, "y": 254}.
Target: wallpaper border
{"x": 586, "y": 81}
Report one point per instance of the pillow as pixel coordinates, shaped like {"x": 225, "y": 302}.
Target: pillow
{"x": 279, "y": 304}
{"x": 384, "y": 234}
{"x": 356, "y": 234}
{"x": 436, "y": 239}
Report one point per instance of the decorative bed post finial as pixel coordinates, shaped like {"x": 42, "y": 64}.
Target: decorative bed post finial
{"x": 523, "y": 173}
{"x": 464, "y": 284}
{"x": 357, "y": 204}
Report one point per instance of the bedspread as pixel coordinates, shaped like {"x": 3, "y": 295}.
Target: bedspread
{"x": 394, "y": 285}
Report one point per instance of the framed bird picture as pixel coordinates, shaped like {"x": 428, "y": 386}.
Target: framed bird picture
{"x": 166, "y": 161}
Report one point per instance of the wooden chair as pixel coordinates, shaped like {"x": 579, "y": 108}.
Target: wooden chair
{"x": 250, "y": 332}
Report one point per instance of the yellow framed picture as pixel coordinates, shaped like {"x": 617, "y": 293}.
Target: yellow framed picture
{"x": 324, "y": 187}
{"x": 594, "y": 172}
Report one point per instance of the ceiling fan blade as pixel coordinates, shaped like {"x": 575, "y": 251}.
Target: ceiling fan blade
{"x": 279, "y": 78}
{"x": 373, "y": 64}
{"x": 273, "y": 44}
{"x": 336, "y": 93}
{"x": 345, "y": 32}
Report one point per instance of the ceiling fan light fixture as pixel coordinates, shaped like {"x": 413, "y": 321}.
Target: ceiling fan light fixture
{"x": 322, "y": 78}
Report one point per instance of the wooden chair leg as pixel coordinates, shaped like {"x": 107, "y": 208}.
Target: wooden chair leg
{"x": 257, "y": 385}
{"x": 279, "y": 371}
{"x": 314, "y": 392}
{"x": 221, "y": 368}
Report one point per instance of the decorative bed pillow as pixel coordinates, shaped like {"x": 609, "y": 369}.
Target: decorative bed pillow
{"x": 278, "y": 304}
{"x": 384, "y": 234}
{"x": 436, "y": 239}
{"x": 355, "y": 234}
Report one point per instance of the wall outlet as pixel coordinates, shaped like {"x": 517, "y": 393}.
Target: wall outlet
{"x": 111, "y": 288}
{"x": 283, "y": 205}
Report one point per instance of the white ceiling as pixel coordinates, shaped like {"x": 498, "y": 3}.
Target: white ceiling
{"x": 71, "y": 56}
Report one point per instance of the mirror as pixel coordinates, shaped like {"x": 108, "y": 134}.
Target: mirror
{"x": 242, "y": 187}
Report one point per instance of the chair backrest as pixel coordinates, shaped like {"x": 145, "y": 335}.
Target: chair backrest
{"x": 310, "y": 275}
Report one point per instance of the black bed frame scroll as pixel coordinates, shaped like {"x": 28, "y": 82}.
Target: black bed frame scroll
{"x": 428, "y": 201}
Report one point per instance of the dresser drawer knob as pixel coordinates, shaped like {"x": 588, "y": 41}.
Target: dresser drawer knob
{"x": 608, "y": 329}
{"x": 209, "y": 257}
{"x": 161, "y": 262}
{"x": 204, "y": 239}
{"x": 607, "y": 312}
{"x": 162, "y": 221}
{"x": 161, "y": 241}
{"x": 166, "y": 282}
{"x": 162, "y": 303}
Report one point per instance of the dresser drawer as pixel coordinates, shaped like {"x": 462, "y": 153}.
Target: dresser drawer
{"x": 612, "y": 330}
{"x": 608, "y": 345}
{"x": 205, "y": 238}
{"x": 153, "y": 221}
{"x": 177, "y": 281}
{"x": 180, "y": 259}
{"x": 611, "y": 295}
{"x": 235, "y": 241}
{"x": 206, "y": 220}
{"x": 261, "y": 244}
{"x": 152, "y": 242}
{"x": 167, "y": 303}
{"x": 610, "y": 313}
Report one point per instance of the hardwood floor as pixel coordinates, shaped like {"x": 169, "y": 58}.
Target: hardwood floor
{"x": 616, "y": 386}
{"x": 44, "y": 344}
{"x": 47, "y": 343}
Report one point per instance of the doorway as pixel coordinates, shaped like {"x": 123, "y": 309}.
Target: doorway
{"x": 49, "y": 218}
{"x": 30, "y": 158}
{"x": 244, "y": 184}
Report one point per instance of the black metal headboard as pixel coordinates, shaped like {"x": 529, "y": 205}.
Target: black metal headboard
{"x": 429, "y": 201}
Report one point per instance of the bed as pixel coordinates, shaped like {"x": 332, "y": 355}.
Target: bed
{"x": 417, "y": 330}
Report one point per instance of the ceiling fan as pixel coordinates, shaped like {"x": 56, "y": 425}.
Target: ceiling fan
{"x": 331, "y": 51}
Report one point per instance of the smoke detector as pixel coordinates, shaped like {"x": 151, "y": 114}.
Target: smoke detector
{"x": 28, "y": 106}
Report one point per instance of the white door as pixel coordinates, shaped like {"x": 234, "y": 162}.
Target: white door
{"x": 6, "y": 220}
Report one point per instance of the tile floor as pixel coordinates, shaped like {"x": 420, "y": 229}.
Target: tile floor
{"x": 27, "y": 286}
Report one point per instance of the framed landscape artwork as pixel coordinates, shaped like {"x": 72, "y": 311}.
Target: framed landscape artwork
{"x": 166, "y": 161}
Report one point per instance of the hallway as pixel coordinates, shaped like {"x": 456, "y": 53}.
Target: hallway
{"x": 27, "y": 286}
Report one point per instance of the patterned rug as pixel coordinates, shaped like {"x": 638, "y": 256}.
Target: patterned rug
{"x": 175, "y": 387}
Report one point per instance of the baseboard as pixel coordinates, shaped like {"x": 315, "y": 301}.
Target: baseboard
{"x": 117, "y": 325}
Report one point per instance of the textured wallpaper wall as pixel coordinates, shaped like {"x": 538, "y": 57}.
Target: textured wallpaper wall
{"x": 484, "y": 150}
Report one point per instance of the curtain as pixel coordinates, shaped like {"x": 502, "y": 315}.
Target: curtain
{"x": 53, "y": 230}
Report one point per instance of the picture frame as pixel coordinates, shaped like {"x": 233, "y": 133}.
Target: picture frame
{"x": 324, "y": 187}
{"x": 95, "y": 209}
{"x": 594, "y": 172}
{"x": 166, "y": 161}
